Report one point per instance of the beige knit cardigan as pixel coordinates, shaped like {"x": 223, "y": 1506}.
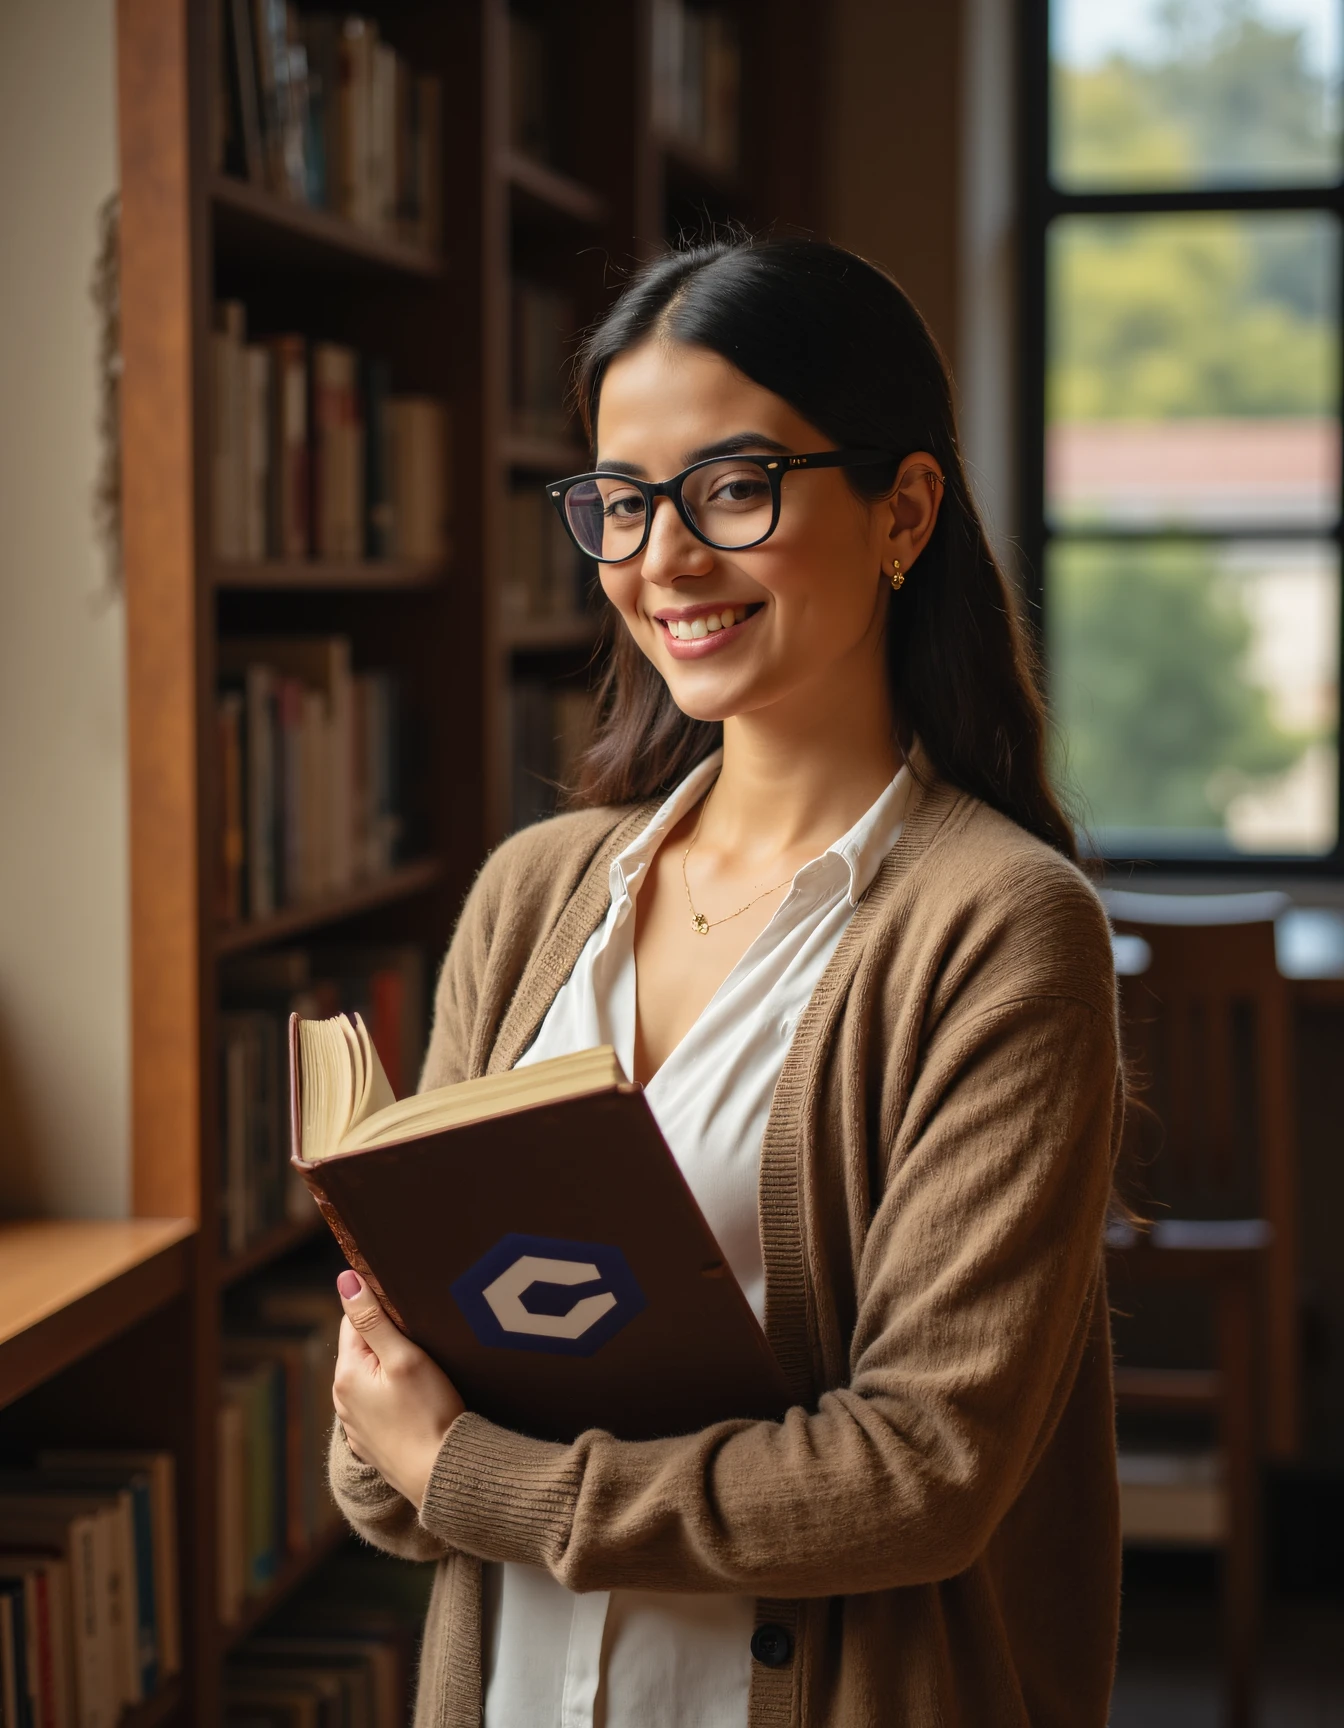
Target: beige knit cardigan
{"x": 934, "y": 1523}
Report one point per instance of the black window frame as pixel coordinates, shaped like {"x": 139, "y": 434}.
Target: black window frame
{"x": 1040, "y": 202}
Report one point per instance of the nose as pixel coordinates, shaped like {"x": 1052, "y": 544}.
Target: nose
{"x": 672, "y": 550}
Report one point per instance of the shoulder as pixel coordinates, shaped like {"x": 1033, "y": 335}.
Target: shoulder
{"x": 1000, "y": 914}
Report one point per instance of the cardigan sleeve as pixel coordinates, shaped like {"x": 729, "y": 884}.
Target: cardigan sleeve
{"x": 374, "y": 1509}
{"x": 979, "y": 1282}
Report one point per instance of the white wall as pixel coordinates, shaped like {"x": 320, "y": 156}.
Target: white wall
{"x": 64, "y": 1033}
{"x": 988, "y": 255}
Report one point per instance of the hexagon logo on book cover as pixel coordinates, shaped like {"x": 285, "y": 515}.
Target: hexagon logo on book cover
{"x": 546, "y": 1293}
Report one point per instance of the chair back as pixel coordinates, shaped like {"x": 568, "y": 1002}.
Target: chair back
{"x": 1207, "y": 1023}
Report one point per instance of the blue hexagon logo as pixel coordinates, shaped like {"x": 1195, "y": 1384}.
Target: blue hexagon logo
{"x": 546, "y": 1293}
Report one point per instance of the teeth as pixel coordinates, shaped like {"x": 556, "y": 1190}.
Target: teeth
{"x": 692, "y": 629}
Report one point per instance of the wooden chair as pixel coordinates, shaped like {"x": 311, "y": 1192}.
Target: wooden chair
{"x": 1208, "y": 1499}
{"x": 1207, "y": 1027}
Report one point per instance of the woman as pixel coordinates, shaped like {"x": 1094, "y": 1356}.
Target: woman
{"x": 822, "y": 901}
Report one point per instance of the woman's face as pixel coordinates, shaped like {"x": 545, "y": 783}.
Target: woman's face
{"x": 806, "y": 610}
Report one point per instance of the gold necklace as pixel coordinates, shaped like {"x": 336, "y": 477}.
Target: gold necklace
{"x": 699, "y": 923}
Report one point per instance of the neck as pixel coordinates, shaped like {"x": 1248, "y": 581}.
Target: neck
{"x": 798, "y": 775}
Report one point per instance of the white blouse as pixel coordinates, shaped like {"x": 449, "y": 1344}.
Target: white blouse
{"x": 640, "y": 1658}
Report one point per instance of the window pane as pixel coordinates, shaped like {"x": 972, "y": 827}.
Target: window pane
{"x": 1146, "y": 94}
{"x": 1193, "y": 370}
{"x": 1195, "y": 690}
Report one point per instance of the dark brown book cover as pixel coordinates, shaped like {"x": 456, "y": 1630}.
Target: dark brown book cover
{"x": 553, "y": 1261}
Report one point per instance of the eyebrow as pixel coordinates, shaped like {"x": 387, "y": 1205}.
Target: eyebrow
{"x": 733, "y": 445}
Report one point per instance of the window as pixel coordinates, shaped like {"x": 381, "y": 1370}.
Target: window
{"x": 1181, "y": 461}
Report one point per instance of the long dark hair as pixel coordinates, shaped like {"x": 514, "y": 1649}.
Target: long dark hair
{"x": 839, "y": 341}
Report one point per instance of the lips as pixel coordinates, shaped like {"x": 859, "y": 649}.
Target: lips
{"x": 694, "y": 625}
{"x": 691, "y": 638}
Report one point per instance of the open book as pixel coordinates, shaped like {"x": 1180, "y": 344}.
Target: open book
{"x": 348, "y": 1106}
{"x": 532, "y": 1231}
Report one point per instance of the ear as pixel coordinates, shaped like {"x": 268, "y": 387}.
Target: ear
{"x": 910, "y": 513}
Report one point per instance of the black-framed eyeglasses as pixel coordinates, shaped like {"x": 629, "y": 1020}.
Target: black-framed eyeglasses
{"x": 729, "y": 502}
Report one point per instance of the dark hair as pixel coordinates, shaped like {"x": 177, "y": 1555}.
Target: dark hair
{"x": 839, "y": 341}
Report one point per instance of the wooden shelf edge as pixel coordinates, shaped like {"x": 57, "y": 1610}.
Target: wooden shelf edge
{"x": 370, "y": 573}
{"x": 398, "y": 884}
{"x": 528, "y": 635}
{"x": 291, "y": 1234}
{"x": 559, "y": 192}
{"x": 154, "y": 1710}
{"x": 67, "y": 1287}
{"x": 321, "y": 228}
{"x": 1169, "y": 1388}
{"x": 292, "y": 1573}
{"x": 555, "y": 457}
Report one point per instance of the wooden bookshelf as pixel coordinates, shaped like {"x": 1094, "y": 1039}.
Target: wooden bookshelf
{"x": 528, "y": 635}
{"x": 548, "y": 458}
{"x": 552, "y": 192}
{"x": 318, "y": 574}
{"x": 270, "y": 1247}
{"x": 400, "y": 884}
{"x": 250, "y": 219}
{"x": 291, "y": 1573}
{"x": 605, "y": 193}
{"x": 68, "y": 1287}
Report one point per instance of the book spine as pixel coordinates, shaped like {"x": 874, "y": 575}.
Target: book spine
{"x": 249, "y": 100}
{"x": 142, "y": 1514}
{"x": 290, "y": 480}
{"x": 125, "y": 1613}
{"x": 292, "y": 1453}
{"x": 231, "y": 1511}
{"x": 338, "y": 839}
{"x": 93, "y": 1682}
{"x": 62, "y": 1645}
{"x": 377, "y": 479}
{"x": 9, "y": 1692}
{"x": 348, "y": 1246}
{"x": 47, "y": 1681}
{"x": 259, "y": 455}
{"x": 260, "y": 767}
{"x": 163, "y": 1476}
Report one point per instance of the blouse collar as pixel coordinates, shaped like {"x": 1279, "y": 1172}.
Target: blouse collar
{"x": 857, "y": 854}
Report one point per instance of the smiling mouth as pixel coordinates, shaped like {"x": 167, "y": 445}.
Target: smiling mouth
{"x": 707, "y": 623}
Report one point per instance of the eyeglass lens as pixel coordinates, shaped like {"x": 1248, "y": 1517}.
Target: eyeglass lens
{"x": 730, "y": 502}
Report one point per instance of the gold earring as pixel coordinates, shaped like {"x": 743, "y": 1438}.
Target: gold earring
{"x": 897, "y": 574}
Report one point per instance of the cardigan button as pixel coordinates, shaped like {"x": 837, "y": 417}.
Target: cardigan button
{"x": 772, "y": 1645}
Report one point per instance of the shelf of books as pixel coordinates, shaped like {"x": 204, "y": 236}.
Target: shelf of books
{"x": 253, "y": 218}
{"x": 355, "y": 251}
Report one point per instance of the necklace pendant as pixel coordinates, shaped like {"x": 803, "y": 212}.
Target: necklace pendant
{"x": 700, "y": 924}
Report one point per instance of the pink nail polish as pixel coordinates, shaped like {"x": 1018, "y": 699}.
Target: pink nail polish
{"x": 349, "y": 1284}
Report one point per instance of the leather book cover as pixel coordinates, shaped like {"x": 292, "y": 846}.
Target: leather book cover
{"x": 555, "y": 1264}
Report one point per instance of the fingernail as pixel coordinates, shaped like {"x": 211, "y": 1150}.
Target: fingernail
{"x": 349, "y": 1284}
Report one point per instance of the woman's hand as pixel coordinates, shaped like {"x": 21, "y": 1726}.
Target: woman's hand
{"x": 394, "y": 1402}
